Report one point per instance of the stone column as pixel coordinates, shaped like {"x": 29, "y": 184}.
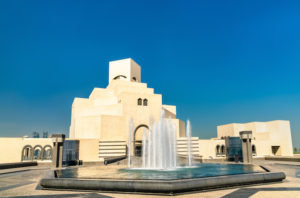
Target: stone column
{"x": 246, "y": 137}
{"x": 57, "y": 155}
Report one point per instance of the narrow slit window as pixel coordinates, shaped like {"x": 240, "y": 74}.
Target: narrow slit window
{"x": 145, "y": 102}
{"x": 218, "y": 149}
{"x": 139, "y": 102}
{"x": 253, "y": 149}
{"x": 222, "y": 149}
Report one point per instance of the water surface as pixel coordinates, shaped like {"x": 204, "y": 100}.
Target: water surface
{"x": 197, "y": 171}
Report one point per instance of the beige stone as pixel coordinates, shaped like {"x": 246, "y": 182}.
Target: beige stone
{"x": 11, "y": 148}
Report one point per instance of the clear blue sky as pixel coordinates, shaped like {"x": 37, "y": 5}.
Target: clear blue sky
{"x": 218, "y": 61}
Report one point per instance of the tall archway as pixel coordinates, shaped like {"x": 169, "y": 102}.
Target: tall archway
{"x": 137, "y": 139}
{"x": 37, "y": 152}
{"x": 47, "y": 152}
{"x": 27, "y": 153}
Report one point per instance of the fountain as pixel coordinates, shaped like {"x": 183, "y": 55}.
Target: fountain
{"x": 129, "y": 142}
{"x": 160, "y": 171}
{"x": 189, "y": 142}
{"x": 159, "y": 145}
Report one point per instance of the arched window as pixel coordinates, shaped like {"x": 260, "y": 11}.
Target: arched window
{"x": 222, "y": 149}
{"x": 139, "y": 102}
{"x": 133, "y": 78}
{"x": 253, "y": 149}
{"x": 145, "y": 102}
{"x": 218, "y": 149}
{"x": 119, "y": 77}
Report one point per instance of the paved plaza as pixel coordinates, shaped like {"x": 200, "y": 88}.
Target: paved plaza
{"x": 23, "y": 182}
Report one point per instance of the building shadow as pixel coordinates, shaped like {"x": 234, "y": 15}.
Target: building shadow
{"x": 92, "y": 195}
{"x": 247, "y": 192}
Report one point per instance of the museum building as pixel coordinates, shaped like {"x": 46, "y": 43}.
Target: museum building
{"x": 100, "y": 125}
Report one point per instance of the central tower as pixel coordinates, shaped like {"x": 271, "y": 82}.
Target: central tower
{"x": 125, "y": 69}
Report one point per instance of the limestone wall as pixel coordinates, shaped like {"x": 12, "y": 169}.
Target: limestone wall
{"x": 106, "y": 113}
{"x": 89, "y": 150}
{"x": 11, "y": 148}
{"x": 207, "y": 148}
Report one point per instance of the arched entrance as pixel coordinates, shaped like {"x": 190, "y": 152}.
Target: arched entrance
{"x": 27, "y": 153}
{"x": 137, "y": 139}
{"x": 47, "y": 152}
{"x": 37, "y": 152}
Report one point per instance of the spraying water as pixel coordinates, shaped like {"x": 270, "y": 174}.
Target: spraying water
{"x": 159, "y": 149}
{"x": 144, "y": 149}
{"x": 129, "y": 142}
{"x": 189, "y": 142}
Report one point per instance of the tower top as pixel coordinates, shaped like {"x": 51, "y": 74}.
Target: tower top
{"x": 125, "y": 69}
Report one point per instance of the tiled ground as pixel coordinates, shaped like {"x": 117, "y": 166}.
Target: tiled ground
{"x": 24, "y": 183}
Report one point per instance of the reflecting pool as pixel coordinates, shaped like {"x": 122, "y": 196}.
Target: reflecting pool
{"x": 181, "y": 172}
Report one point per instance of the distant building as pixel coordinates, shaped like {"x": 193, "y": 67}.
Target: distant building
{"x": 45, "y": 134}
{"x": 269, "y": 138}
{"x": 35, "y": 134}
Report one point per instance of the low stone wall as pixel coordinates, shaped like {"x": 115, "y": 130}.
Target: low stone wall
{"x": 17, "y": 165}
{"x": 283, "y": 158}
{"x": 91, "y": 163}
{"x": 217, "y": 160}
{"x": 114, "y": 160}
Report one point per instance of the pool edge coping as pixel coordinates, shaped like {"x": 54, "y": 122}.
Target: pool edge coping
{"x": 161, "y": 186}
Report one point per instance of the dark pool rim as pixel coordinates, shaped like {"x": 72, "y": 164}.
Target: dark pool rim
{"x": 160, "y": 179}
{"x": 161, "y": 186}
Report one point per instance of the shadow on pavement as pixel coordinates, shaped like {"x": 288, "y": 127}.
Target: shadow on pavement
{"x": 247, "y": 192}
{"x": 95, "y": 195}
